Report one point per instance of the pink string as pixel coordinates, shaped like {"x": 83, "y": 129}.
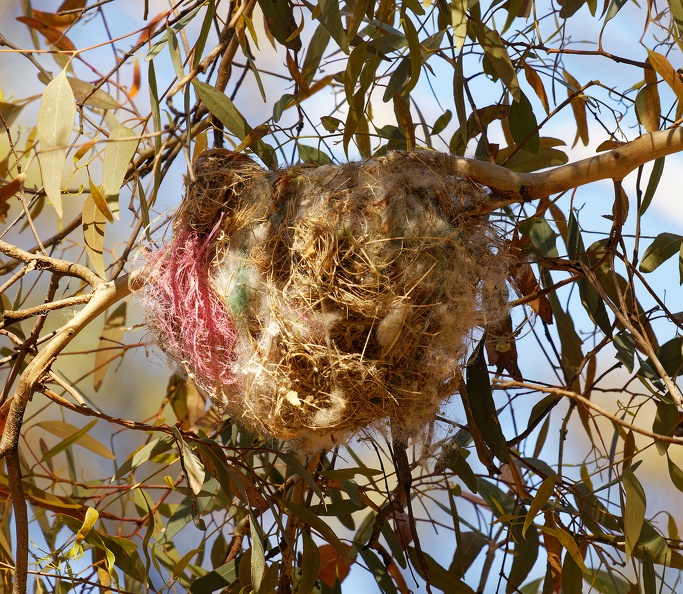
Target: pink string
{"x": 185, "y": 310}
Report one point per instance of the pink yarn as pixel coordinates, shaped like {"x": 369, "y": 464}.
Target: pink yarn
{"x": 186, "y": 312}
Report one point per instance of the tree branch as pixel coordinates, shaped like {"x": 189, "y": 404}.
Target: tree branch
{"x": 514, "y": 187}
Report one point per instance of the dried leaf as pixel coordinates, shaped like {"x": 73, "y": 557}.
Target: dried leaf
{"x": 535, "y": 82}
{"x": 667, "y": 72}
{"x": 54, "y": 36}
{"x": 578, "y": 104}
{"x": 333, "y": 566}
{"x": 8, "y": 191}
{"x": 55, "y": 120}
{"x": 100, "y": 201}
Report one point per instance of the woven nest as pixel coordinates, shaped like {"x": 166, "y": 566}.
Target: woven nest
{"x": 315, "y": 302}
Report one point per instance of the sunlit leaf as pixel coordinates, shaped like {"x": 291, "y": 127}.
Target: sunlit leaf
{"x": 459, "y": 22}
{"x": 664, "y": 68}
{"x": 545, "y": 490}
{"x": 118, "y": 152}
{"x": 310, "y": 565}
{"x": 495, "y": 51}
{"x": 66, "y": 431}
{"x": 55, "y": 121}
{"x": 94, "y": 223}
{"x": 648, "y": 109}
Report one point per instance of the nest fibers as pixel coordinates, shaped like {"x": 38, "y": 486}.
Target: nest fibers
{"x": 314, "y": 302}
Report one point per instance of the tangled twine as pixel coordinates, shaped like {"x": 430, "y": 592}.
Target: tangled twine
{"x": 315, "y": 302}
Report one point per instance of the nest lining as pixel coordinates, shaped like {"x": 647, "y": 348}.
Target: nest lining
{"x": 321, "y": 301}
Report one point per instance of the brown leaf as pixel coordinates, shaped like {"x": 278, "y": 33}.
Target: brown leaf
{"x": 333, "y": 566}
{"x": 7, "y": 192}
{"x": 553, "y": 549}
{"x": 54, "y": 20}
{"x": 535, "y": 82}
{"x": 578, "y": 104}
{"x": 54, "y": 36}
{"x": 297, "y": 77}
{"x": 501, "y": 348}
{"x": 524, "y": 280}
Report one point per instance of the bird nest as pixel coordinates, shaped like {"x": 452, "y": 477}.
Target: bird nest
{"x": 314, "y": 302}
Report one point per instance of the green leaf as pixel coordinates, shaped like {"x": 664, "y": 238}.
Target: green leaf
{"x": 661, "y": 249}
{"x": 459, "y": 22}
{"x": 207, "y": 24}
{"x": 634, "y": 510}
{"x": 258, "y": 559}
{"x": 626, "y": 348}
{"x": 459, "y": 99}
{"x": 308, "y": 517}
{"x": 440, "y": 578}
{"x": 9, "y": 112}
{"x": 525, "y": 556}
{"x": 545, "y": 490}
{"x": 442, "y": 121}
{"x": 71, "y": 438}
{"x": 542, "y": 236}
{"x": 570, "y": 7}
{"x": 648, "y": 108}
{"x": 218, "y": 579}
{"x": 415, "y": 51}
{"x": 666, "y": 421}
{"x": 495, "y": 51}
{"x": 220, "y": 105}
{"x": 55, "y": 121}
{"x": 310, "y": 565}
{"x": 675, "y": 473}
{"x": 649, "y": 576}
{"x": 93, "y": 223}
{"x": 315, "y": 49}
{"x": 652, "y": 184}
{"x": 523, "y": 125}
{"x": 310, "y": 154}
{"x": 118, "y": 153}
{"x": 572, "y": 578}
{"x": 147, "y": 452}
{"x": 84, "y": 93}
{"x": 66, "y": 431}
{"x": 594, "y": 306}
{"x": 524, "y": 162}
{"x": 483, "y": 405}
{"x": 279, "y": 17}
{"x": 468, "y": 549}
{"x": 330, "y": 17}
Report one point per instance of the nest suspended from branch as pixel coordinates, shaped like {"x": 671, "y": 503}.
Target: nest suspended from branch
{"x": 313, "y": 302}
